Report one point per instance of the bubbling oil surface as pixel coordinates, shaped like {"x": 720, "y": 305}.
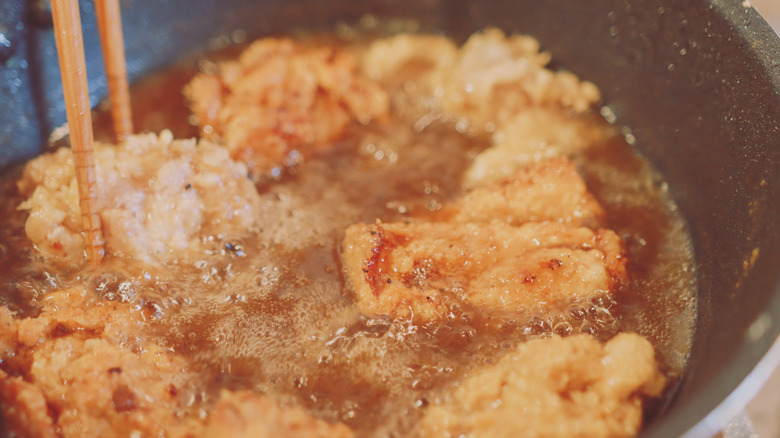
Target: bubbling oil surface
{"x": 271, "y": 312}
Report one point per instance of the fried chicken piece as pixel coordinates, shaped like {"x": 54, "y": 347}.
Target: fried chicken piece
{"x": 416, "y": 269}
{"x": 497, "y": 76}
{"x": 530, "y": 136}
{"x": 78, "y": 369}
{"x": 25, "y": 412}
{"x": 555, "y": 387}
{"x": 489, "y": 80}
{"x": 281, "y": 100}
{"x": 120, "y": 390}
{"x": 71, "y": 311}
{"x": 158, "y": 199}
{"x": 548, "y": 190}
{"x": 406, "y": 57}
{"x": 244, "y": 414}
{"x": 82, "y": 368}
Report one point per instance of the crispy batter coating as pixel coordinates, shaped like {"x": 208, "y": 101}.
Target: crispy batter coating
{"x": 281, "y": 100}
{"x": 489, "y": 80}
{"x": 158, "y": 198}
{"x": 416, "y": 269}
{"x": 556, "y": 387}
{"x": 25, "y": 410}
{"x": 407, "y": 57}
{"x": 75, "y": 369}
{"x": 81, "y": 369}
{"x": 244, "y": 414}
{"x": 532, "y": 135}
{"x": 548, "y": 190}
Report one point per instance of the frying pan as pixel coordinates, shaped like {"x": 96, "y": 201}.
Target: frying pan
{"x": 698, "y": 82}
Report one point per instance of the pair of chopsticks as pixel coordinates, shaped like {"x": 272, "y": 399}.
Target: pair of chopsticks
{"x": 70, "y": 50}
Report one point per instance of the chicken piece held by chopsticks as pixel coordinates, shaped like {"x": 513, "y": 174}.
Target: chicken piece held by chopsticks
{"x": 159, "y": 200}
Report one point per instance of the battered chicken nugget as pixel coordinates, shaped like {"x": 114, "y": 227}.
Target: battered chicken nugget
{"x": 24, "y": 409}
{"x": 556, "y": 387}
{"x": 157, "y": 197}
{"x": 549, "y": 190}
{"x": 415, "y": 269}
{"x": 421, "y": 58}
{"x": 244, "y": 414}
{"x": 530, "y": 136}
{"x": 491, "y": 78}
{"x": 79, "y": 369}
{"x": 497, "y": 76}
{"x": 78, "y": 361}
{"x": 282, "y": 100}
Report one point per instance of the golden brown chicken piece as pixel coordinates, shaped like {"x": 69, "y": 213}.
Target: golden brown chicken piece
{"x": 548, "y": 190}
{"x": 244, "y": 414}
{"x": 25, "y": 410}
{"x": 497, "y": 76}
{"x": 283, "y": 100}
{"x": 530, "y": 136}
{"x": 417, "y": 269}
{"x": 555, "y": 387}
{"x": 79, "y": 361}
{"x": 487, "y": 81}
{"x": 82, "y": 368}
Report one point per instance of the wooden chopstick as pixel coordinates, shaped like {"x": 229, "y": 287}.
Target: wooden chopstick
{"x": 70, "y": 50}
{"x": 110, "y": 25}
